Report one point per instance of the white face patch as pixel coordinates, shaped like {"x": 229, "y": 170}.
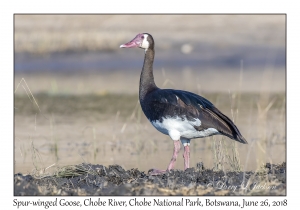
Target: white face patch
{"x": 177, "y": 128}
{"x": 145, "y": 44}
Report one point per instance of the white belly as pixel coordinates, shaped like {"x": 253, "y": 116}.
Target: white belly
{"x": 176, "y": 128}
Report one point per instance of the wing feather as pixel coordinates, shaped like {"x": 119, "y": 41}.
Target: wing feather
{"x": 194, "y": 106}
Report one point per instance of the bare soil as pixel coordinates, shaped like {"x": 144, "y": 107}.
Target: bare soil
{"x": 114, "y": 180}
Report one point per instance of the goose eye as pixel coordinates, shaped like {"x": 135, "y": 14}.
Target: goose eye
{"x": 142, "y": 37}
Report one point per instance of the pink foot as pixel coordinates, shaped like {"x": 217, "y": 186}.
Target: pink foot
{"x": 172, "y": 162}
{"x": 155, "y": 172}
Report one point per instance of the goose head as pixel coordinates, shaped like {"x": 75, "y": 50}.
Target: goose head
{"x": 143, "y": 40}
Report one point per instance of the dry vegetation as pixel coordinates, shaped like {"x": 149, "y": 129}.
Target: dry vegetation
{"x": 108, "y": 128}
{"x": 53, "y": 33}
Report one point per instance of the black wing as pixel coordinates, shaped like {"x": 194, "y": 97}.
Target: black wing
{"x": 168, "y": 102}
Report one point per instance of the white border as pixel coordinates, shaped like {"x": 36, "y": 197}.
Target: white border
{"x": 154, "y": 6}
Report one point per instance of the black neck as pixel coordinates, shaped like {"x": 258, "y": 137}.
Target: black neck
{"x": 147, "y": 83}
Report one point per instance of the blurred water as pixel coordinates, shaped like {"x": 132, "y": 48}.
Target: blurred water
{"x": 201, "y": 57}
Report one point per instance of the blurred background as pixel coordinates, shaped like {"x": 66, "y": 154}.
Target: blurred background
{"x": 76, "y": 91}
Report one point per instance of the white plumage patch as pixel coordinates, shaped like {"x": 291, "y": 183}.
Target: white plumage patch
{"x": 145, "y": 44}
{"x": 177, "y": 128}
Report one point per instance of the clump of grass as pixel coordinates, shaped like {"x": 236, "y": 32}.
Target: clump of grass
{"x": 225, "y": 155}
{"x": 225, "y": 151}
{"x": 218, "y": 155}
{"x": 74, "y": 170}
{"x": 67, "y": 171}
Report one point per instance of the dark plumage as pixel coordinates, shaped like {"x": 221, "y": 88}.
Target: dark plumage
{"x": 180, "y": 114}
{"x": 161, "y": 103}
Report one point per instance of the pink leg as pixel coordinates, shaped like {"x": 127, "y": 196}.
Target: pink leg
{"x": 175, "y": 154}
{"x": 172, "y": 162}
{"x": 186, "y": 156}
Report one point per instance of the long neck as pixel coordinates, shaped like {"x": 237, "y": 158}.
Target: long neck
{"x": 147, "y": 83}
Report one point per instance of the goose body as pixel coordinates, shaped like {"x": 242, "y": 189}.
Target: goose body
{"x": 180, "y": 114}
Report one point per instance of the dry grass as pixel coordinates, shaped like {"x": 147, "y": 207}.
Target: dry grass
{"x": 57, "y": 33}
{"x": 111, "y": 129}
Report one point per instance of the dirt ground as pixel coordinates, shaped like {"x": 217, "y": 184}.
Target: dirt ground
{"x": 114, "y": 180}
